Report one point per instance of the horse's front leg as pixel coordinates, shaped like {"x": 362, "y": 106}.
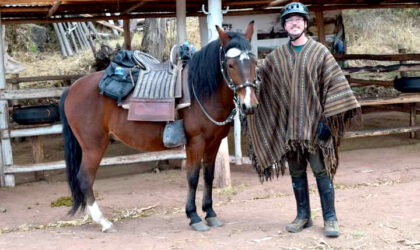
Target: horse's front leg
{"x": 194, "y": 156}
{"x": 208, "y": 169}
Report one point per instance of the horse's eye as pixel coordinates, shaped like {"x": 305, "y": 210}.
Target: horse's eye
{"x": 230, "y": 66}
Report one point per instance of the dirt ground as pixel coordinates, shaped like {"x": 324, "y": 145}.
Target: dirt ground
{"x": 377, "y": 190}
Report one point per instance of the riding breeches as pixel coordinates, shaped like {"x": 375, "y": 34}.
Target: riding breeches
{"x": 298, "y": 161}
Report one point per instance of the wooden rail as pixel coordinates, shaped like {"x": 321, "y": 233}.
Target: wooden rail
{"x": 127, "y": 159}
{"x": 403, "y": 98}
{"x": 376, "y": 132}
{"x": 394, "y": 57}
{"x": 17, "y": 80}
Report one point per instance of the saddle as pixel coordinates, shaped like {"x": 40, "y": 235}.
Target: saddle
{"x": 153, "y": 98}
{"x": 149, "y": 89}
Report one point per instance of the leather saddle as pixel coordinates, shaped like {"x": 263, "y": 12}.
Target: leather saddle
{"x": 158, "y": 89}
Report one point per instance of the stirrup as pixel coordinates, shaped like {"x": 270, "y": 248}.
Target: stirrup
{"x": 174, "y": 134}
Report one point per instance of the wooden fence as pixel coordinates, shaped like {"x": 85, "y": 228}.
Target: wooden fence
{"x": 8, "y": 169}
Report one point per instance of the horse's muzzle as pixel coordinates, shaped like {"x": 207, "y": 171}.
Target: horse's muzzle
{"x": 249, "y": 110}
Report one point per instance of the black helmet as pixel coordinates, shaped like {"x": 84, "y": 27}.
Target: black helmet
{"x": 294, "y": 8}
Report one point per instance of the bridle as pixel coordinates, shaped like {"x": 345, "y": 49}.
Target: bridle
{"x": 241, "y": 56}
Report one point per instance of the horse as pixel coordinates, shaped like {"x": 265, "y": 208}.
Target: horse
{"x": 222, "y": 79}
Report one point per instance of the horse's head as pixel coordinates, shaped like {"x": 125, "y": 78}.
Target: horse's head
{"x": 238, "y": 66}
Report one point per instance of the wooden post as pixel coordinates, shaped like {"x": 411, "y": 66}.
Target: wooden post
{"x": 14, "y": 86}
{"x": 2, "y": 86}
{"x": 184, "y": 165}
{"x": 68, "y": 26}
{"x": 60, "y": 40}
{"x": 6, "y": 158}
{"x": 65, "y": 39}
{"x": 412, "y": 105}
{"x": 320, "y": 26}
{"x": 38, "y": 155}
{"x": 127, "y": 34}
{"x": 82, "y": 35}
{"x": 222, "y": 168}
{"x": 412, "y": 119}
{"x": 181, "y": 21}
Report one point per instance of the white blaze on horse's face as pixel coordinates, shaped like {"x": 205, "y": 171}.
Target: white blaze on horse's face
{"x": 241, "y": 69}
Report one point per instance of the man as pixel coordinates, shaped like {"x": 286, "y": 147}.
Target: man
{"x": 305, "y": 101}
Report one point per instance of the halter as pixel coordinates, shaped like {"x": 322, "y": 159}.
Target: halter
{"x": 230, "y": 54}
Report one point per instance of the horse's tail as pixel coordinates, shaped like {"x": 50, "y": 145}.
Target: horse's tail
{"x": 73, "y": 158}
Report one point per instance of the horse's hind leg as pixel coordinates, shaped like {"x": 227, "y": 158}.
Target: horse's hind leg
{"x": 208, "y": 169}
{"x": 86, "y": 176}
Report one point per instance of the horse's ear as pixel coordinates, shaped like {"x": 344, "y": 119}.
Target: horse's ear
{"x": 224, "y": 38}
{"x": 249, "y": 30}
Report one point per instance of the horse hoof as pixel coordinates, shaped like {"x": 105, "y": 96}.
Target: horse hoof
{"x": 214, "y": 222}
{"x": 200, "y": 227}
{"x": 110, "y": 229}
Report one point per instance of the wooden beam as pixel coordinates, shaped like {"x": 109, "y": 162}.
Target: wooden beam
{"x": 397, "y": 57}
{"x": 34, "y": 131}
{"x": 18, "y": 80}
{"x": 31, "y": 93}
{"x": 93, "y": 18}
{"x": 104, "y": 23}
{"x": 320, "y": 26}
{"x": 53, "y": 9}
{"x": 23, "y": 9}
{"x": 376, "y": 132}
{"x": 355, "y": 81}
{"x": 402, "y": 98}
{"x": 383, "y": 68}
{"x": 127, "y": 34}
{"x": 132, "y": 8}
{"x": 362, "y": 6}
{"x": 246, "y": 3}
{"x": 127, "y": 159}
{"x": 278, "y": 2}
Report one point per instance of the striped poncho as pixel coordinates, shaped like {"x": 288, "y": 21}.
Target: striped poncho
{"x": 297, "y": 91}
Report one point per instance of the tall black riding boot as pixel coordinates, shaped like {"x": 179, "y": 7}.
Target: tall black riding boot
{"x": 326, "y": 193}
{"x": 303, "y": 218}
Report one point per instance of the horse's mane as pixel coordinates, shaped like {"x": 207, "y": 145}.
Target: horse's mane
{"x": 204, "y": 67}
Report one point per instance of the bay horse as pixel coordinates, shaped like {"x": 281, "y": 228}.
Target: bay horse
{"x": 221, "y": 76}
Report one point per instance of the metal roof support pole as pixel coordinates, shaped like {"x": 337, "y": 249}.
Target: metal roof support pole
{"x": 222, "y": 166}
{"x": 204, "y": 34}
{"x": 214, "y": 17}
{"x": 181, "y": 21}
{"x": 5, "y": 146}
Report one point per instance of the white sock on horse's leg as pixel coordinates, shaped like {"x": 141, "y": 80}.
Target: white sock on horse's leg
{"x": 97, "y": 216}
